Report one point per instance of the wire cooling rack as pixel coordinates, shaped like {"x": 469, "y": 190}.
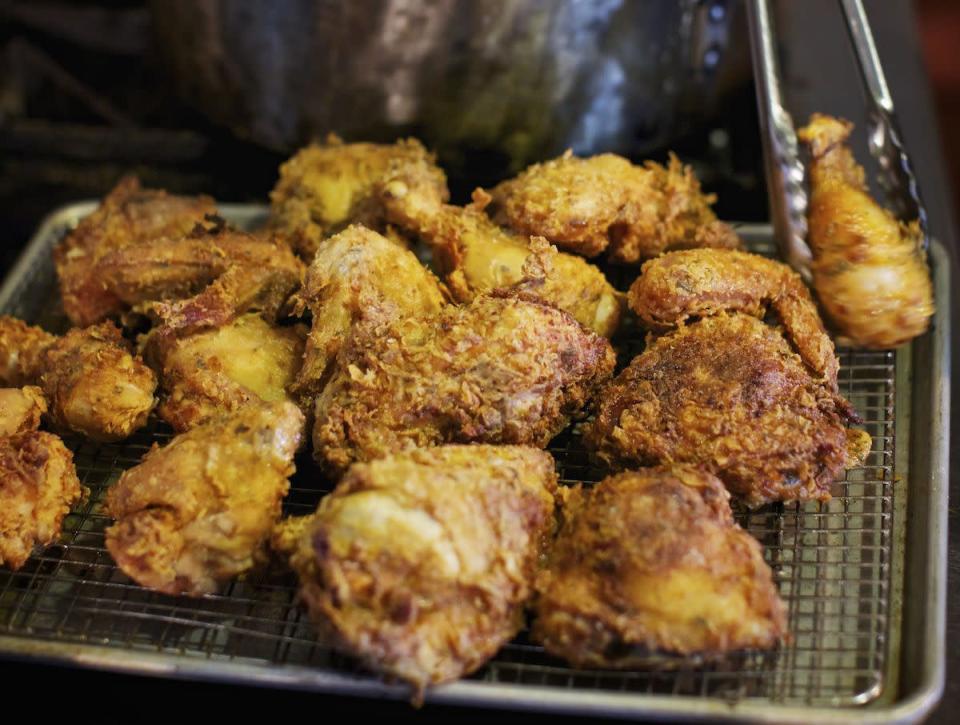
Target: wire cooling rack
{"x": 833, "y": 564}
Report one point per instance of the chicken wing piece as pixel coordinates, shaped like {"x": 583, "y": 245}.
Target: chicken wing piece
{"x": 355, "y": 274}
{"x": 699, "y": 282}
{"x": 325, "y": 188}
{"x": 728, "y": 393}
{"x": 649, "y": 562}
{"x": 200, "y": 510}
{"x": 605, "y": 203}
{"x": 501, "y": 370}
{"x": 869, "y": 270}
{"x": 92, "y": 382}
{"x": 215, "y": 372}
{"x": 38, "y": 485}
{"x": 475, "y": 256}
{"x": 420, "y": 563}
{"x": 20, "y": 409}
{"x": 128, "y": 215}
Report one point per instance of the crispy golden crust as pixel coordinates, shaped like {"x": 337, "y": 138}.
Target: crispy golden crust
{"x": 730, "y": 394}
{"x": 21, "y": 351}
{"x": 651, "y": 561}
{"x": 605, "y": 203}
{"x": 420, "y": 563}
{"x": 219, "y": 371}
{"x": 869, "y": 270}
{"x": 325, "y": 188}
{"x": 38, "y": 485}
{"x": 200, "y": 510}
{"x": 20, "y": 409}
{"x": 476, "y": 256}
{"x": 354, "y": 274}
{"x": 501, "y": 370}
{"x": 127, "y": 216}
{"x": 699, "y": 282}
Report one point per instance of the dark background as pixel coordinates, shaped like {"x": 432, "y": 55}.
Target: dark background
{"x": 80, "y": 106}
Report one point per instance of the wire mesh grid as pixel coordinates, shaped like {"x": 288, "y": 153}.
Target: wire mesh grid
{"x": 831, "y": 562}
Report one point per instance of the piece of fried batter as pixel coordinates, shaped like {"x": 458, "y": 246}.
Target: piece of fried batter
{"x": 501, "y": 370}
{"x": 21, "y": 409}
{"x": 357, "y": 274}
{"x": 325, "y": 188}
{"x": 92, "y": 382}
{"x": 200, "y": 510}
{"x": 420, "y": 563}
{"x": 649, "y": 562}
{"x": 128, "y": 215}
{"x": 869, "y": 270}
{"x": 475, "y": 256}
{"x": 215, "y": 372}
{"x": 606, "y": 204}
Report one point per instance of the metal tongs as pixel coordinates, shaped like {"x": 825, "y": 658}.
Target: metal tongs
{"x": 784, "y": 169}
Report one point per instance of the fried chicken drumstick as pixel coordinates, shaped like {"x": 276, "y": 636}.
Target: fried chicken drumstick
{"x": 200, "y": 510}
{"x": 92, "y": 382}
{"x": 869, "y": 270}
{"x": 420, "y": 563}
{"x": 651, "y": 561}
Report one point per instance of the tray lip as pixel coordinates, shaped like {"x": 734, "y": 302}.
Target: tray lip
{"x": 911, "y": 708}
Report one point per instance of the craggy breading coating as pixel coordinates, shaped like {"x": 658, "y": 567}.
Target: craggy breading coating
{"x": 869, "y": 270}
{"x": 420, "y": 563}
{"x": 730, "y": 394}
{"x": 651, "y": 561}
{"x": 21, "y": 351}
{"x": 606, "y": 204}
{"x": 128, "y": 215}
{"x": 200, "y": 510}
{"x": 501, "y": 370}
{"x": 324, "y": 188}
{"x": 38, "y": 485}
{"x": 21, "y": 409}
{"x": 355, "y": 274}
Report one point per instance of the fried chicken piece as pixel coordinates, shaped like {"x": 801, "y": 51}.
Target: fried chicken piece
{"x": 501, "y": 370}
{"x": 20, "y": 409}
{"x": 420, "y": 563}
{"x": 215, "y": 372}
{"x": 356, "y": 274}
{"x": 475, "y": 256}
{"x": 869, "y": 270}
{"x": 605, "y": 203}
{"x": 128, "y": 215}
{"x": 651, "y": 561}
{"x": 325, "y": 188}
{"x": 92, "y": 382}
{"x": 200, "y": 510}
{"x": 730, "y": 394}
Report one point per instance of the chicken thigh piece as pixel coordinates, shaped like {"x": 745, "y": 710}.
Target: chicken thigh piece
{"x": 500, "y": 370}
{"x": 92, "y": 382}
{"x": 606, "y": 204}
{"x": 21, "y": 409}
{"x": 869, "y": 270}
{"x": 200, "y": 510}
{"x": 652, "y": 562}
{"x": 325, "y": 188}
{"x": 420, "y": 563}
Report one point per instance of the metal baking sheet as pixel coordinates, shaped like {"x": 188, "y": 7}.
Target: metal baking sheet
{"x": 861, "y": 650}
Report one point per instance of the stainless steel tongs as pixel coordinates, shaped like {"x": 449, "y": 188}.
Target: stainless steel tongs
{"x": 784, "y": 169}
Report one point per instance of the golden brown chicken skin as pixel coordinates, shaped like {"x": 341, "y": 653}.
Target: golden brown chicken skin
{"x": 128, "y": 215}
{"x": 212, "y": 373}
{"x": 21, "y": 409}
{"x": 606, "y": 204}
{"x": 649, "y": 562}
{"x": 354, "y": 275}
{"x": 420, "y": 563}
{"x": 200, "y": 510}
{"x": 869, "y": 270}
{"x": 501, "y": 370}
{"x": 325, "y": 188}
{"x": 476, "y": 256}
{"x": 92, "y": 382}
